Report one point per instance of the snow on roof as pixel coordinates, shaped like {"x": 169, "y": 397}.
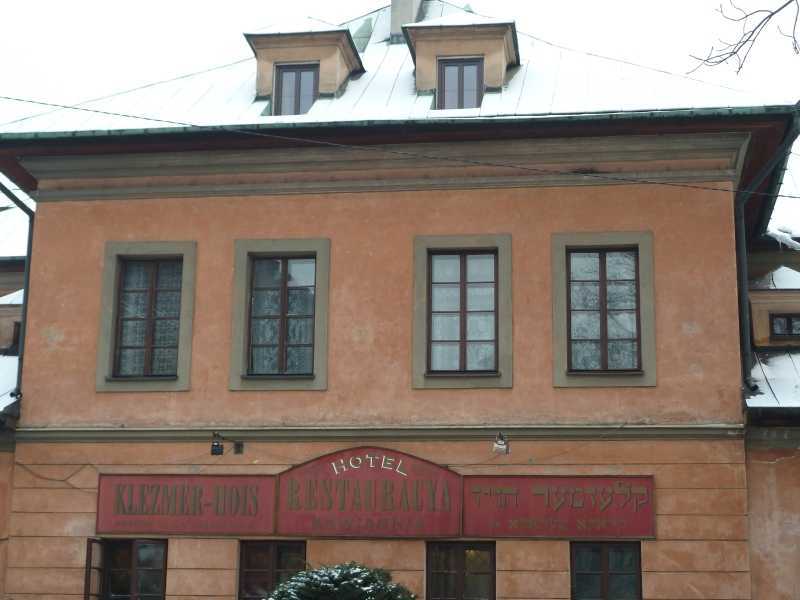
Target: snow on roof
{"x": 8, "y": 379}
{"x": 13, "y": 233}
{"x": 782, "y": 278}
{"x": 459, "y": 19}
{"x": 776, "y": 373}
{"x": 12, "y": 298}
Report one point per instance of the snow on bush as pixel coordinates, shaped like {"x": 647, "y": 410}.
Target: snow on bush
{"x": 350, "y": 581}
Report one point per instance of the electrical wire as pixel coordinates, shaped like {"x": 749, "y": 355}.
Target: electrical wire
{"x": 404, "y": 153}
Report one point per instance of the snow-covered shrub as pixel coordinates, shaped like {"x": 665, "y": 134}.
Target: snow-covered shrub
{"x": 350, "y": 581}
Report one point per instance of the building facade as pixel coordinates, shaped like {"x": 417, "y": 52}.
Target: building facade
{"x": 473, "y": 352}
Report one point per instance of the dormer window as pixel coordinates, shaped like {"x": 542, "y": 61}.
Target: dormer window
{"x": 296, "y": 88}
{"x": 785, "y": 326}
{"x": 460, "y": 83}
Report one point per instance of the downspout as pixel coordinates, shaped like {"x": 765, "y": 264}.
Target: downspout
{"x": 742, "y": 196}
{"x": 13, "y": 409}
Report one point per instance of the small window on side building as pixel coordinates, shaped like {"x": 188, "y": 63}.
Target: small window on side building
{"x": 784, "y": 326}
{"x": 461, "y": 571}
{"x": 460, "y": 83}
{"x": 148, "y": 318}
{"x": 125, "y": 569}
{"x": 606, "y": 571}
{"x": 265, "y": 565}
{"x": 296, "y": 89}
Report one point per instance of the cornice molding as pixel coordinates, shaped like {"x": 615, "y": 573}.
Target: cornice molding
{"x": 598, "y": 161}
{"x": 365, "y": 434}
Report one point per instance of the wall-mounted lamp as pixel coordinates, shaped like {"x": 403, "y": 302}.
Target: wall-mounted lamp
{"x": 218, "y": 447}
{"x": 500, "y": 445}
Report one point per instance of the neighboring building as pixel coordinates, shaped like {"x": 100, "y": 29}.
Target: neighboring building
{"x": 311, "y": 331}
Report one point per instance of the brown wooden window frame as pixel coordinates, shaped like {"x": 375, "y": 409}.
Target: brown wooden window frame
{"x": 463, "y": 312}
{"x": 104, "y": 570}
{"x": 603, "y": 283}
{"x": 790, "y": 317}
{"x": 282, "y": 318}
{"x": 273, "y": 572}
{"x": 605, "y": 571}
{"x": 460, "y": 63}
{"x": 297, "y": 69}
{"x": 154, "y": 263}
{"x": 460, "y": 572}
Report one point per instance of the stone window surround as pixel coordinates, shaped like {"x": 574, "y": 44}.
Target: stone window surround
{"x": 104, "y": 379}
{"x": 420, "y": 378}
{"x": 243, "y": 250}
{"x": 559, "y": 244}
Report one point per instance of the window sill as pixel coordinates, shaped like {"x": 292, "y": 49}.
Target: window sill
{"x": 278, "y": 377}
{"x": 465, "y": 374}
{"x": 137, "y": 379}
{"x": 637, "y": 373}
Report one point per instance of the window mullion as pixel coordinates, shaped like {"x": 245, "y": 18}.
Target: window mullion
{"x": 461, "y": 570}
{"x": 461, "y": 85}
{"x": 283, "y": 326}
{"x": 150, "y": 322}
{"x": 462, "y": 343}
{"x": 297, "y": 88}
{"x": 603, "y": 312}
{"x": 604, "y": 566}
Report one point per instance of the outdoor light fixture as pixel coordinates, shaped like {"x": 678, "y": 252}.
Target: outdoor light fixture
{"x": 218, "y": 448}
{"x": 500, "y": 445}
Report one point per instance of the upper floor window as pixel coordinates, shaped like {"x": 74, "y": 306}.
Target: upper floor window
{"x": 263, "y": 566}
{"x": 297, "y": 87}
{"x": 463, "y": 313}
{"x": 148, "y": 317}
{"x": 282, "y": 291}
{"x": 606, "y": 571}
{"x": 460, "y": 83}
{"x": 603, "y": 309}
{"x": 461, "y": 571}
{"x": 784, "y": 326}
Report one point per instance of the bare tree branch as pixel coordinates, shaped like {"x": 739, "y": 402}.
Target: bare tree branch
{"x": 753, "y": 24}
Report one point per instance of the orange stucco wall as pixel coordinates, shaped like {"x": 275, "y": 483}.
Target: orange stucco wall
{"x": 370, "y": 307}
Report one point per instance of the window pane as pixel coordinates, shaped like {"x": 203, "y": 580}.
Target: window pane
{"x": 584, "y": 266}
{"x": 133, "y": 333}
{"x": 256, "y": 585}
{"x": 306, "y": 91}
{"x": 622, "y": 587}
{"x": 267, "y": 272}
{"x": 257, "y": 556}
{"x": 444, "y": 357}
{"x": 588, "y": 586}
{"x": 443, "y": 558}
{"x": 623, "y": 559}
{"x": 291, "y": 558}
{"x": 480, "y": 357}
{"x": 301, "y": 331}
{"x": 584, "y": 295}
{"x": 168, "y": 304}
{"x": 136, "y": 276}
{"x": 169, "y": 275}
{"x": 119, "y": 582}
{"x": 450, "y": 86}
{"x": 477, "y": 587}
{"x": 443, "y": 586}
{"x": 264, "y": 331}
{"x": 480, "y": 296}
{"x": 301, "y": 272}
{"x": 165, "y": 332}
{"x": 120, "y": 555}
{"x": 477, "y": 561}
{"x": 480, "y": 268}
{"x": 299, "y": 360}
{"x": 287, "y": 92}
{"x": 470, "y": 86}
{"x": 622, "y": 355}
{"x": 131, "y": 362}
{"x": 621, "y": 265}
{"x": 588, "y": 558}
{"x": 446, "y": 268}
{"x": 780, "y": 325}
{"x": 585, "y": 325}
{"x": 621, "y": 295}
{"x": 266, "y": 303}
{"x": 795, "y": 326}
{"x": 301, "y": 301}
{"x": 133, "y": 304}
{"x": 480, "y": 326}
{"x": 165, "y": 361}
{"x": 445, "y": 327}
{"x": 445, "y": 297}
{"x": 621, "y": 325}
{"x": 264, "y": 361}
{"x": 585, "y": 355}
{"x": 149, "y": 582}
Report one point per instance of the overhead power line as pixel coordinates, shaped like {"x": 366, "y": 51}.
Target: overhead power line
{"x": 406, "y": 153}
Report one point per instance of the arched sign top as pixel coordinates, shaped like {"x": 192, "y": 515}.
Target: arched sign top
{"x": 371, "y": 491}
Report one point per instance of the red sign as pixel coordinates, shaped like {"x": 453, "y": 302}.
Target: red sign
{"x": 559, "y": 507}
{"x": 186, "y": 504}
{"x": 369, "y": 493}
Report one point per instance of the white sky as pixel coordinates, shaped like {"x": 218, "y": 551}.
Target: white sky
{"x": 71, "y": 51}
